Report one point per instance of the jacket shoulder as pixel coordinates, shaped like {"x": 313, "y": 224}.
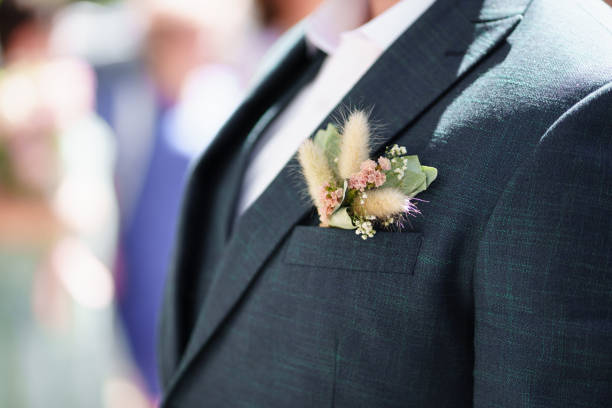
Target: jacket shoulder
{"x": 569, "y": 39}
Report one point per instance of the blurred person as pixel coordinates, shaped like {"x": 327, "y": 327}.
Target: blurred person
{"x": 173, "y": 49}
{"x": 57, "y": 223}
{"x": 498, "y": 294}
{"x": 142, "y": 100}
{"x": 24, "y": 32}
{"x": 217, "y": 86}
{"x": 274, "y": 18}
{"x": 284, "y": 14}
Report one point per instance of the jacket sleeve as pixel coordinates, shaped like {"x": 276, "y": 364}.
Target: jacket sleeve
{"x": 543, "y": 275}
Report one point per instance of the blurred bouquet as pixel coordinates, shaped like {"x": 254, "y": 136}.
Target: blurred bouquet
{"x": 56, "y": 157}
{"x": 38, "y": 101}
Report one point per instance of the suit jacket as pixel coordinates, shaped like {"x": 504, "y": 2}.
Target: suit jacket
{"x": 500, "y": 294}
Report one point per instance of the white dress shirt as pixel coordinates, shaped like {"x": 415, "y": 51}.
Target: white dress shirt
{"x": 340, "y": 28}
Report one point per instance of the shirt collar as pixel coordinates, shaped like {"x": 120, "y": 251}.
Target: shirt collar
{"x": 335, "y": 19}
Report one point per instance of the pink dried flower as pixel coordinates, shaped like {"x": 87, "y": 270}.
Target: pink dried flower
{"x": 367, "y": 175}
{"x": 384, "y": 163}
{"x": 368, "y": 166}
{"x": 330, "y": 198}
{"x": 379, "y": 178}
{"x": 358, "y": 182}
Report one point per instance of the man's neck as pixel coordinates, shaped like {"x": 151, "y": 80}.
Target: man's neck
{"x": 378, "y": 7}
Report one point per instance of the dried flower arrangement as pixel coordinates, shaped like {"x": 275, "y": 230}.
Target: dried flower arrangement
{"x": 352, "y": 191}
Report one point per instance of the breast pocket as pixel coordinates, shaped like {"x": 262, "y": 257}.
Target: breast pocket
{"x": 332, "y": 248}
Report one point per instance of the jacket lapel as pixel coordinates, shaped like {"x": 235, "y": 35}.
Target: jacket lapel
{"x": 431, "y": 56}
{"x": 201, "y": 238}
{"x": 262, "y": 125}
{"x": 269, "y": 99}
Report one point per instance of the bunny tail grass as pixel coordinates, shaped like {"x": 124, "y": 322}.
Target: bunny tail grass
{"x": 382, "y": 203}
{"x": 315, "y": 168}
{"x": 354, "y": 144}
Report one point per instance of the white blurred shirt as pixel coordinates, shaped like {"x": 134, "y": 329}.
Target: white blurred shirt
{"x": 340, "y": 28}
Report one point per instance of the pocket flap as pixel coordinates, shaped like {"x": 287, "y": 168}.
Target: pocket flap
{"x": 386, "y": 252}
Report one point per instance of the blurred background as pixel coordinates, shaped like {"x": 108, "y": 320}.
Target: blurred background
{"x": 103, "y": 105}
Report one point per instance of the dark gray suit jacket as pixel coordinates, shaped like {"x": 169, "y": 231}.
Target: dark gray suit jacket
{"x": 499, "y": 295}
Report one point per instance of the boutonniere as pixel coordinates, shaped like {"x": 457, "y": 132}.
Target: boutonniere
{"x": 352, "y": 191}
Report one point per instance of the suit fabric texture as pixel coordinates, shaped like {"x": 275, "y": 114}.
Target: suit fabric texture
{"x": 498, "y": 295}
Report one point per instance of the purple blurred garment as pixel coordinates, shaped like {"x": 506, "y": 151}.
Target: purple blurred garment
{"x": 155, "y": 143}
{"x": 146, "y": 246}
{"x": 149, "y": 179}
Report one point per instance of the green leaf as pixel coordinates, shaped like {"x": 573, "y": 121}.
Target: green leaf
{"x": 328, "y": 140}
{"x": 413, "y": 183}
{"x": 416, "y": 178}
{"x": 431, "y": 173}
{"x": 341, "y": 219}
{"x": 414, "y": 165}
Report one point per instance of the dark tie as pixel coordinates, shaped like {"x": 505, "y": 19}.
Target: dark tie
{"x": 315, "y": 62}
